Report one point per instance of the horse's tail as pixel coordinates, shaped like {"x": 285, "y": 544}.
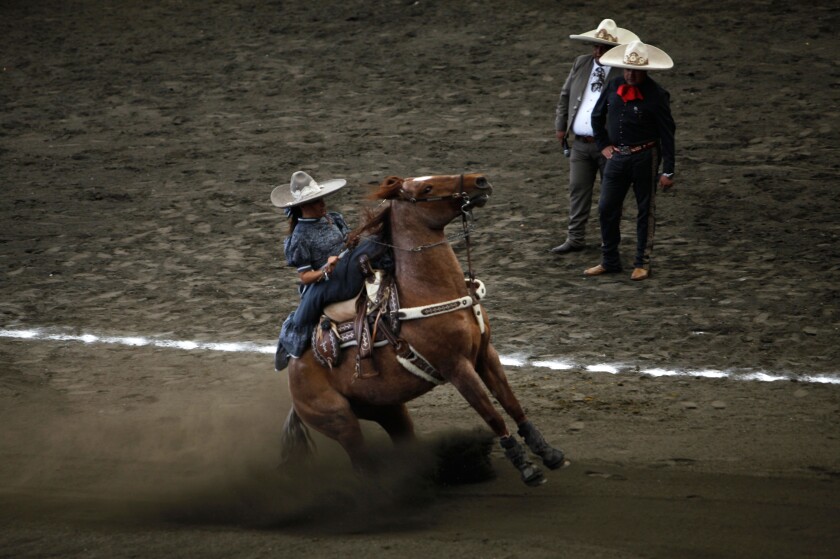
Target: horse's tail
{"x": 295, "y": 442}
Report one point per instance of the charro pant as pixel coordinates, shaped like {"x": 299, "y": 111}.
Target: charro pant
{"x": 345, "y": 283}
{"x": 585, "y": 162}
{"x": 620, "y": 174}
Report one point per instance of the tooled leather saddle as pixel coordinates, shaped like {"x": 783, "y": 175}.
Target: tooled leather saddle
{"x": 370, "y": 320}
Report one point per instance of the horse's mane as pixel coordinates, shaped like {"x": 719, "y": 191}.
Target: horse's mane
{"x": 377, "y": 220}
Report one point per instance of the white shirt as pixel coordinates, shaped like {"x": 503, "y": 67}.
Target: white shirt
{"x": 582, "y": 126}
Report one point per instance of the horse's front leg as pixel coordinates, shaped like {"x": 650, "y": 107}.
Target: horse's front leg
{"x": 466, "y": 380}
{"x": 493, "y": 374}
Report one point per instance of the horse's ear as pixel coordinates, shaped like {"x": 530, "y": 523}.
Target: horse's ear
{"x": 389, "y": 187}
{"x": 391, "y": 182}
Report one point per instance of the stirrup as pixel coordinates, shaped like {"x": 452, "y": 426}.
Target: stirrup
{"x": 362, "y": 371}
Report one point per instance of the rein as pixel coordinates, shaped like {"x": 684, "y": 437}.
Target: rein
{"x": 466, "y": 215}
{"x": 408, "y": 357}
{"x": 421, "y": 248}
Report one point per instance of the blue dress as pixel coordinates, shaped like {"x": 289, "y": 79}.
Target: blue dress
{"x": 314, "y": 240}
{"x": 309, "y": 246}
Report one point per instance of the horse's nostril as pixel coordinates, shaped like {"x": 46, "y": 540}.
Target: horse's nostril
{"x": 481, "y": 182}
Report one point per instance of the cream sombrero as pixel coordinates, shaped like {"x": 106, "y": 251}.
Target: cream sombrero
{"x": 303, "y": 189}
{"x": 637, "y": 56}
{"x": 607, "y": 33}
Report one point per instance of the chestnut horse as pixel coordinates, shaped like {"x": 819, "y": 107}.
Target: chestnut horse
{"x": 427, "y": 271}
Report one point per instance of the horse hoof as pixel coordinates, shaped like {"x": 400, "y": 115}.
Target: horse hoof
{"x": 554, "y": 459}
{"x": 533, "y": 476}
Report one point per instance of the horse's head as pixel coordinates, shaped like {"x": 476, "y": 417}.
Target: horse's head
{"x": 466, "y": 190}
{"x": 441, "y": 198}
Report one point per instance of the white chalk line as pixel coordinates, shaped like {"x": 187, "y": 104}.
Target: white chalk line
{"x": 138, "y": 341}
{"x": 507, "y": 360}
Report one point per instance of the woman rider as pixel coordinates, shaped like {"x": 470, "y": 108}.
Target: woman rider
{"x": 328, "y": 270}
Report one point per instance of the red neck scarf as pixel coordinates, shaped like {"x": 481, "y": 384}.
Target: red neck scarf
{"x": 629, "y": 93}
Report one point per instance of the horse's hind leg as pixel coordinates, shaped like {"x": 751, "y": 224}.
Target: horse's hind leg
{"x": 295, "y": 442}
{"x": 394, "y": 419}
{"x": 493, "y": 374}
{"x": 337, "y": 421}
{"x": 328, "y": 412}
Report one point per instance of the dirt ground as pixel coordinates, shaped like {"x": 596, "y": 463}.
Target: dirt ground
{"x": 139, "y": 143}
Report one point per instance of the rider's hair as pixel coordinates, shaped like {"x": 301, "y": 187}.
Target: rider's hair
{"x": 294, "y": 213}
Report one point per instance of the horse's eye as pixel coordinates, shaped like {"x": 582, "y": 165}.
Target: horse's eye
{"x": 427, "y": 190}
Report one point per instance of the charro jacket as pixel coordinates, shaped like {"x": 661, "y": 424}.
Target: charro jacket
{"x": 636, "y": 122}
{"x": 572, "y": 93}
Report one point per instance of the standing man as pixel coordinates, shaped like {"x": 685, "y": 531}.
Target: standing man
{"x": 574, "y": 109}
{"x": 635, "y": 132}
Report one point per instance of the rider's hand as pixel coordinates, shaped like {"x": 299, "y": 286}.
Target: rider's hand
{"x": 331, "y": 263}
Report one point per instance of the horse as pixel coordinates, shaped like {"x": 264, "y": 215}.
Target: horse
{"x": 332, "y": 400}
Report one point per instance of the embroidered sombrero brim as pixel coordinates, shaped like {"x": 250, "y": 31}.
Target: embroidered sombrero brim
{"x": 622, "y": 37}
{"x": 637, "y": 56}
{"x": 282, "y": 197}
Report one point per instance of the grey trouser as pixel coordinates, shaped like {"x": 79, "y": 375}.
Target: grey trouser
{"x": 585, "y": 162}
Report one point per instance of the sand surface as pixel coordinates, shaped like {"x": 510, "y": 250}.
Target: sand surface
{"x": 139, "y": 143}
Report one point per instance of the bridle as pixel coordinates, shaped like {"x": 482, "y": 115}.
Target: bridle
{"x": 411, "y": 360}
{"x": 466, "y": 223}
{"x": 460, "y": 195}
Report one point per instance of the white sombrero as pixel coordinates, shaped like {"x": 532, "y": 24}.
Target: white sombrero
{"x": 607, "y": 33}
{"x": 637, "y": 56}
{"x": 303, "y": 189}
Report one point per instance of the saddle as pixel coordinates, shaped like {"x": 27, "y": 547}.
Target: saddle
{"x": 361, "y": 322}
{"x": 373, "y": 319}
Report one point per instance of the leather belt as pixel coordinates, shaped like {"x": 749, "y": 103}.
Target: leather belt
{"x": 630, "y": 150}
{"x": 585, "y": 139}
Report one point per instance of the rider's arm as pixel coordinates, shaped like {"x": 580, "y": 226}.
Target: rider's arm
{"x": 322, "y": 274}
